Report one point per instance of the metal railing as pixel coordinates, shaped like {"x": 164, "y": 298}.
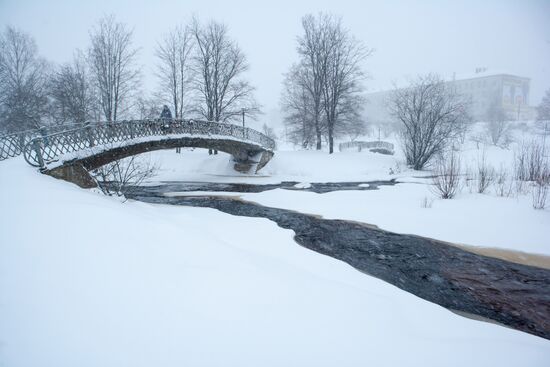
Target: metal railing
{"x": 42, "y": 150}
{"x": 13, "y": 144}
{"x": 360, "y": 145}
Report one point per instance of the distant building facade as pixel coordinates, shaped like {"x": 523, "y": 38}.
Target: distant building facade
{"x": 482, "y": 89}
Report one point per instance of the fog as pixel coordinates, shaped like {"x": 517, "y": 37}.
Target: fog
{"x": 409, "y": 38}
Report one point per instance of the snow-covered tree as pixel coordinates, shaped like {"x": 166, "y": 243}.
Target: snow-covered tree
{"x": 23, "y": 82}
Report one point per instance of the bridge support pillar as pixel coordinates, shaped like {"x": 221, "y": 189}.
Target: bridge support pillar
{"x": 75, "y": 173}
{"x": 251, "y": 162}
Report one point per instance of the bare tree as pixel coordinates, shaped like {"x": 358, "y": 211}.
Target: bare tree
{"x": 343, "y": 81}
{"x": 23, "y": 82}
{"x": 311, "y": 72}
{"x": 72, "y": 97}
{"x": 497, "y": 126}
{"x": 174, "y": 71}
{"x": 112, "y": 62}
{"x": 219, "y": 65}
{"x": 351, "y": 121}
{"x": 299, "y": 110}
{"x": 331, "y": 58}
{"x": 432, "y": 116}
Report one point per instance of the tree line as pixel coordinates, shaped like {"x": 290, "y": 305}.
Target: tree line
{"x": 201, "y": 72}
{"x": 200, "y": 69}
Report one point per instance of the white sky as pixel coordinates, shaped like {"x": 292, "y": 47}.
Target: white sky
{"x": 410, "y": 37}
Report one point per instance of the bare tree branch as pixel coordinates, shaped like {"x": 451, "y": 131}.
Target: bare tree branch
{"x": 174, "y": 70}
{"x": 71, "y": 93}
{"x": 23, "y": 82}
{"x": 219, "y": 65}
{"x": 112, "y": 60}
{"x": 432, "y": 116}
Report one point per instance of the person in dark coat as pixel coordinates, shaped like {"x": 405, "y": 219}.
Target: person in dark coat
{"x": 165, "y": 114}
{"x": 166, "y": 118}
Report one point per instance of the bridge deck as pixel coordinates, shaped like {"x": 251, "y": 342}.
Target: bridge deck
{"x": 42, "y": 150}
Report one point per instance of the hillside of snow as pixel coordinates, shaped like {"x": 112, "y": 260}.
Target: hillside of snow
{"x": 90, "y": 280}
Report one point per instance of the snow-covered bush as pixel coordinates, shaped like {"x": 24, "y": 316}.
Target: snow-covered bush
{"x": 426, "y": 202}
{"x": 396, "y": 169}
{"x": 446, "y": 180}
{"x": 530, "y": 161}
{"x": 469, "y": 179}
{"x": 539, "y": 194}
{"x": 498, "y": 133}
{"x": 543, "y": 127}
{"x": 497, "y": 127}
{"x": 543, "y": 109}
{"x": 485, "y": 174}
{"x": 504, "y": 184}
{"x": 478, "y": 139}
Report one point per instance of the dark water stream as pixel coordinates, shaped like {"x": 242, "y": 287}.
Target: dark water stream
{"x": 511, "y": 294}
{"x": 318, "y": 187}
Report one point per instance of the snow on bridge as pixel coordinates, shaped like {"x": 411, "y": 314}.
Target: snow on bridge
{"x": 90, "y": 146}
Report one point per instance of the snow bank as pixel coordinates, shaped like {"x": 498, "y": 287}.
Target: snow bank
{"x": 300, "y": 166}
{"x": 471, "y": 219}
{"x": 86, "y": 280}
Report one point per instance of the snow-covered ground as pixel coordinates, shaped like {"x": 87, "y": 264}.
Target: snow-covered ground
{"x": 412, "y": 207}
{"x": 86, "y": 280}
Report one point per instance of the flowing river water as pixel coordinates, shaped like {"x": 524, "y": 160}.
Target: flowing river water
{"x": 471, "y": 284}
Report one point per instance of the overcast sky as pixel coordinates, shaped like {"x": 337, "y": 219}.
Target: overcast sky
{"x": 409, "y": 37}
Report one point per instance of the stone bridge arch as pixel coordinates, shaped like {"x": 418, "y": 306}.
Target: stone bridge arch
{"x": 71, "y": 154}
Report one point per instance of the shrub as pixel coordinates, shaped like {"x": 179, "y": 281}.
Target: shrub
{"x": 503, "y": 183}
{"x": 485, "y": 174}
{"x": 446, "y": 179}
{"x": 539, "y": 194}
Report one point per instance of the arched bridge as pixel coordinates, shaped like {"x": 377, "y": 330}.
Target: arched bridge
{"x": 71, "y": 153}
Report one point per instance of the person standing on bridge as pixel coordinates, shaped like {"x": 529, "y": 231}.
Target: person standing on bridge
{"x": 166, "y": 114}
{"x": 166, "y": 118}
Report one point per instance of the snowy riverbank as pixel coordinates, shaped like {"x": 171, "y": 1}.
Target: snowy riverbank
{"x": 87, "y": 280}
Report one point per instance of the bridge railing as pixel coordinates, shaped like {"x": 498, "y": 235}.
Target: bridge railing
{"x": 360, "y": 145}
{"x": 13, "y": 144}
{"x": 43, "y": 150}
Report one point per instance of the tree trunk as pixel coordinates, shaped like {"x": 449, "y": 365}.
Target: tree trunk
{"x": 330, "y": 140}
{"x": 318, "y": 134}
{"x": 318, "y": 147}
